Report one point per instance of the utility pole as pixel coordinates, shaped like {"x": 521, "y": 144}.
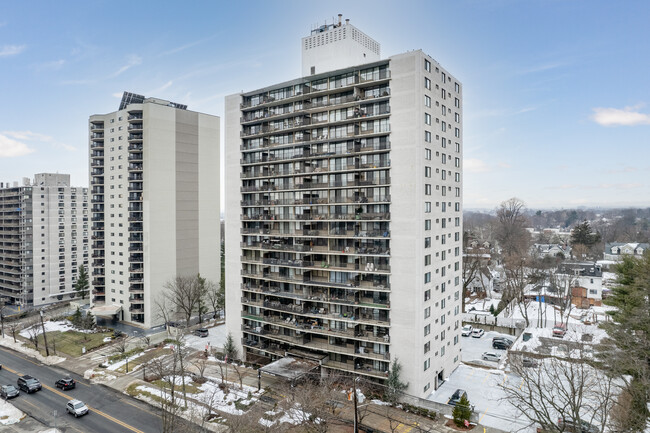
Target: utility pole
{"x": 47, "y": 350}
{"x": 356, "y": 414}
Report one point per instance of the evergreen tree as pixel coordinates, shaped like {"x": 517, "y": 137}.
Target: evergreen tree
{"x": 88, "y": 321}
{"x": 230, "y": 349}
{"x": 81, "y": 286}
{"x": 76, "y": 318}
{"x": 583, "y": 234}
{"x": 462, "y": 411}
{"x": 627, "y": 350}
{"x": 394, "y": 384}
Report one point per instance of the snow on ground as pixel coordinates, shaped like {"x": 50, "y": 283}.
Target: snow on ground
{"x": 483, "y": 392}
{"x": 98, "y": 376}
{"x": 114, "y": 366}
{"x": 295, "y": 416}
{"x": 9, "y": 414}
{"x": 477, "y": 305}
{"x": 61, "y": 325}
{"x": 216, "y": 338}
{"x": 19, "y": 347}
{"x": 473, "y": 348}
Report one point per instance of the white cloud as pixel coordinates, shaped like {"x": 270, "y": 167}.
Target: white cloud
{"x": 50, "y": 66}
{"x": 27, "y": 135}
{"x": 474, "y": 165}
{"x": 18, "y": 137}
{"x": 131, "y": 61}
{"x": 10, "y": 148}
{"x": 628, "y": 116}
{"x": 11, "y": 50}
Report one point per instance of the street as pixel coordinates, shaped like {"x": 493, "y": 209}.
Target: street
{"x": 110, "y": 411}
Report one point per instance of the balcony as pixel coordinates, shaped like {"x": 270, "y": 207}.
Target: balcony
{"x": 135, "y": 186}
{"x": 136, "y": 288}
{"x": 135, "y": 207}
{"x": 137, "y": 258}
{"x": 135, "y": 157}
{"x": 135, "y": 196}
{"x": 135, "y": 228}
{"x": 135, "y": 127}
{"x": 134, "y": 117}
{"x": 97, "y": 126}
{"x": 135, "y": 147}
{"x": 135, "y": 167}
{"x": 97, "y": 136}
{"x": 134, "y": 137}
{"x": 136, "y": 237}
{"x": 97, "y": 145}
{"x": 136, "y": 248}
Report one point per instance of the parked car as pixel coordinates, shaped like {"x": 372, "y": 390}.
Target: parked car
{"x": 466, "y": 331}
{"x": 8, "y": 391}
{"x": 456, "y": 396}
{"x": 500, "y": 345}
{"x": 529, "y": 362}
{"x": 507, "y": 340}
{"x": 66, "y": 383}
{"x": 559, "y": 330}
{"x": 478, "y": 333}
{"x": 28, "y": 384}
{"x": 201, "y": 332}
{"x": 491, "y": 356}
{"x": 570, "y": 425}
{"x": 76, "y": 408}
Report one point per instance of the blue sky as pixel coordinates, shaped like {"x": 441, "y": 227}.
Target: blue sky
{"x": 556, "y": 93}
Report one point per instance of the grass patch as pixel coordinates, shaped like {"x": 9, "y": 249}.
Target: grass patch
{"x": 148, "y": 356}
{"x": 70, "y": 342}
{"x": 189, "y": 387}
{"x": 121, "y": 356}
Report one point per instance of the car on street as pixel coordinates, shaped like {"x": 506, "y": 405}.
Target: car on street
{"x": 8, "y": 391}
{"x": 201, "y": 332}
{"x": 66, "y": 383}
{"x": 456, "y": 396}
{"x": 491, "y": 356}
{"x": 466, "y": 331}
{"x": 478, "y": 333}
{"x": 28, "y": 384}
{"x": 76, "y": 408}
{"x": 570, "y": 425}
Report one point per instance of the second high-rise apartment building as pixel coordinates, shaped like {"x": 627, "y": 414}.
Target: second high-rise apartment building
{"x": 154, "y": 178}
{"x": 43, "y": 240}
{"x": 344, "y": 214}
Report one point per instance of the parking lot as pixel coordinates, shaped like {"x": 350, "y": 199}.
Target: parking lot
{"x": 473, "y": 348}
{"x": 483, "y": 392}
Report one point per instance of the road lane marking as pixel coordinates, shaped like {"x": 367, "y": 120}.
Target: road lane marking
{"x": 105, "y": 415}
{"x": 486, "y": 377}
{"x": 484, "y": 412}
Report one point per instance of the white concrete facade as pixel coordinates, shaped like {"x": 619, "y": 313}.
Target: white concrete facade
{"x": 155, "y": 186}
{"x": 335, "y": 46}
{"x": 344, "y": 219}
{"x": 43, "y": 240}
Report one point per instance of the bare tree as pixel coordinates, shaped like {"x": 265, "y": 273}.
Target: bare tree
{"x": 184, "y": 295}
{"x": 33, "y": 331}
{"x": 560, "y": 389}
{"x": 511, "y": 228}
{"x": 160, "y": 368}
{"x": 14, "y": 327}
{"x": 215, "y": 297}
{"x": 241, "y": 373}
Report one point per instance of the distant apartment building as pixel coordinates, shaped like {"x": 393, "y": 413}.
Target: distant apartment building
{"x": 43, "y": 239}
{"x": 344, "y": 213}
{"x": 154, "y": 178}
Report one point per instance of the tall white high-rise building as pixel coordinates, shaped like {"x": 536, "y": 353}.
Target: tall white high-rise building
{"x": 154, "y": 178}
{"x": 344, "y": 218}
{"x": 43, "y": 239}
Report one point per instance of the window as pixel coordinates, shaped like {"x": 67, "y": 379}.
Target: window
{"x": 427, "y": 330}
{"x": 427, "y": 364}
{"x": 427, "y": 101}
{"x": 427, "y": 189}
{"x": 457, "y": 117}
{"x": 427, "y": 277}
{"x": 457, "y": 103}
{"x": 457, "y": 133}
{"x": 427, "y": 207}
{"x": 427, "y": 137}
{"x": 427, "y": 346}
{"x": 427, "y": 83}
{"x": 457, "y": 87}
{"x": 427, "y": 242}
{"x": 427, "y": 260}
{"x": 427, "y": 152}
{"x": 427, "y": 118}
{"x": 427, "y": 224}
{"x": 427, "y": 171}
{"x": 443, "y": 126}
{"x": 444, "y": 77}
{"x": 427, "y": 312}
{"x": 427, "y": 295}
{"x": 428, "y": 385}
{"x": 427, "y": 65}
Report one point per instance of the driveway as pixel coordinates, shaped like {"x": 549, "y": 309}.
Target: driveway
{"x": 473, "y": 348}
{"x": 483, "y": 392}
